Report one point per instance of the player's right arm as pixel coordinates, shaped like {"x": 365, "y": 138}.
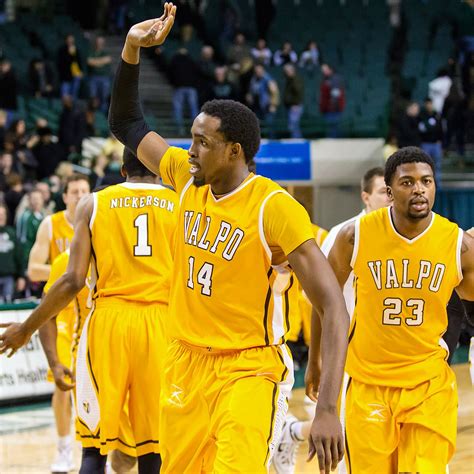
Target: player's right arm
{"x": 64, "y": 290}
{"x": 38, "y": 268}
{"x": 125, "y": 116}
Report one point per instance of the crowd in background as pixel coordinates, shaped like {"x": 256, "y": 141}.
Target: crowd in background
{"x": 34, "y": 163}
{"x": 243, "y": 72}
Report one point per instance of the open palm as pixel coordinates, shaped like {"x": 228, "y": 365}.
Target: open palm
{"x": 153, "y": 32}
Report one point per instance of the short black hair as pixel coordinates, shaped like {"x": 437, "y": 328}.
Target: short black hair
{"x": 238, "y": 124}
{"x": 367, "y": 181}
{"x": 133, "y": 166}
{"x": 73, "y": 178}
{"x": 408, "y": 154}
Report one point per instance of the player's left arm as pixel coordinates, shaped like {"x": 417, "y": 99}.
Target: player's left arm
{"x": 287, "y": 226}
{"x": 63, "y": 291}
{"x": 466, "y": 288}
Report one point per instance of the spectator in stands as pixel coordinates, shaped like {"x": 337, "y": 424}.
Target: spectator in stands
{"x": 70, "y": 69}
{"x": 263, "y": 97}
{"x": 7, "y": 167}
{"x": 285, "y": 55}
{"x": 13, "y": 195}
{"x": 408, "y": 132}
{"x": 240, "y": 61}
{"x": 27, "y": 224}
{"x": 8, "y": 89}
{"x": 184, "y": 76}
{"x": 206, "y": 65}
{"x": 112, "y": 147}
{"x": 20, "y": 143}
{"x": 3, "y": 128}
{"x": 48, "y": 152}
{"x": 332, "y": 99}
{"x": 438, "y": 89}
{"x": 265, "y": 11}
{"x": 10, "y": 261}
{"x": 98, "y": 63}
{"x": 293, "y": 98}
{"x": 261, "y": 53}
{"x": 117, "y": 15}
{"x": 72, "y": 125}
{"x": 222, "y": 88}
{"x": 98, "y": 167}
{"x": 454, "y": 113}
{"x": 48, "y": 192}
{"x": 230, "y": 15}
{"x": 431, "y": 133}
{"x": 191, "y": 17}
{"x": 311, "y": 57}
{"x": 41, "y": 78}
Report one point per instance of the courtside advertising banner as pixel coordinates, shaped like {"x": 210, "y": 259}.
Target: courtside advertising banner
{"x": 24, "y": 374}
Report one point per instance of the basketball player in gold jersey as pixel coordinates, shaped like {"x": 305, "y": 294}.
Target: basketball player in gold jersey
{"x": 54, "y": 237}
{"x": 125, "y": 232}
{"x": 239, "y": 238}
{"x": 401, "y": 400}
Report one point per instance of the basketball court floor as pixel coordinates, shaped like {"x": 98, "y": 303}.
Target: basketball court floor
{"x": 27, "y": 438}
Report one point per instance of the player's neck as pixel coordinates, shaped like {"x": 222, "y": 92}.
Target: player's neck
{"x": 141, "y": 179}
{"x": 228, "y": 183}
{"x": 69, "y": 214}
{"x": 409, "y": 227}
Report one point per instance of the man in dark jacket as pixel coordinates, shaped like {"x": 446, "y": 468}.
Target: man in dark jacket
{"x": 431, "y": 132}
{"x": 293, "y": 98}
{"x": 70, "y": 68}
{"x": 408, "y": 133}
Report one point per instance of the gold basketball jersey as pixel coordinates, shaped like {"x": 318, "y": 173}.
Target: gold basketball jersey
{"x": 62, "y": 233}
{"x": 231, "y": 279}
{"x": 319, "y": 234}
{"x": 132, "y": 230}
{"x": 80, "y": 302}
{"x": 402, "y": 289}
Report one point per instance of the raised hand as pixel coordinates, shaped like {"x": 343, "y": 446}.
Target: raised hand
{"x": 152, "y": 32}
{"x": 13, "y": 338}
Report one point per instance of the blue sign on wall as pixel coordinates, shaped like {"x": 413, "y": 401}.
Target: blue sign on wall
{"x": 278, "y": 160}
{"x": 284, "y": 161}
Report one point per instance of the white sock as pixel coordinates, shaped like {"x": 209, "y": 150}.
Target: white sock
{"x": 296, "y": 431}
{"x": 64, "y": 441}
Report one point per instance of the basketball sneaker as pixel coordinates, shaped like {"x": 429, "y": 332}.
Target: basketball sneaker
{"x": 63, "y": 462}
{"x": 284, "y": 457}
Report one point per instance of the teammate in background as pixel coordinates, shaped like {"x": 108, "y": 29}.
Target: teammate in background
{"x": 401, "y": 400}
{"x": 125, "y": 232}
{"x": 54, "y": 237}
{"x": 228, "y": 371}
{"x": 374, "y": 196}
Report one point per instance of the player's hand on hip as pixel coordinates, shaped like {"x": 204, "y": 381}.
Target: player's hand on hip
{"x": 153, "y": 32}
{"x": 325, "y": 440}
{"x": 13, "y": 338}
{"x": 60, "y": 373}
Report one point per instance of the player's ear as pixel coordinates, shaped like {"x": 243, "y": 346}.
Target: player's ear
{"x": 236, "y": 150}
{"x": 389, "y": 192}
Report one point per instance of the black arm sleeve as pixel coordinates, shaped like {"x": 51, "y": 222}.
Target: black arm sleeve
{"x": 126, "y": 119}
{"x": 455, "y": 317}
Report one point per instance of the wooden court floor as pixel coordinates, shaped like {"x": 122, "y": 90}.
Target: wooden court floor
{"x": 27, "y": 437}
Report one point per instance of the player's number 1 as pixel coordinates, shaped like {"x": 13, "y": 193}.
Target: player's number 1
{"x": 142, "y": 249}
